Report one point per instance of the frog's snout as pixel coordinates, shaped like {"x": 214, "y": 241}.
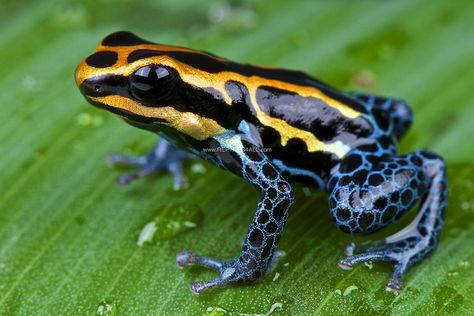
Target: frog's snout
{"x": 104, "y": 85}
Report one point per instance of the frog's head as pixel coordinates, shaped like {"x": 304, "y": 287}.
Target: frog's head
{"x": 151, "y": 85}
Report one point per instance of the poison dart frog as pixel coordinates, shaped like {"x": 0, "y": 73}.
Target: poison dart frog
{"x": 273, "y": 127}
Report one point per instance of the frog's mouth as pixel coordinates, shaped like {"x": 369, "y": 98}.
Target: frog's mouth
{"x": 125, "y": 114}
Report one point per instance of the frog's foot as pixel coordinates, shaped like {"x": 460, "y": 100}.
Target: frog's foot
{"x": 163, "y": 157}
{"x": 403, "y": 253}
{"x": 229, "y": 272}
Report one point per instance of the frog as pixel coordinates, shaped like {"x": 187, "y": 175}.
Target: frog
{"x": 274, "y": 128}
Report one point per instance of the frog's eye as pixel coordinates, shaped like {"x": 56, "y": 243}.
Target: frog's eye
{"x": 152, "y": 83}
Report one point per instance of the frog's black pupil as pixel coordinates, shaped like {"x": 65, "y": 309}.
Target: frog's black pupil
{"x": 151, "y": 83}
{"x": 96, "y": 88}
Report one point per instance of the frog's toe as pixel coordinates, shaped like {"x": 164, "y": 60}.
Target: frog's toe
{"x": 186, "y": 258}
{"x": 142, "y": 173}
{"x": 180, "y": 180}
{"x": 164, "y": 157}
{"x": 229, "y": 271}
{"x": 403, "y": 253}
{"x": 114, "y": 160}
{"x": 200, "y": 286}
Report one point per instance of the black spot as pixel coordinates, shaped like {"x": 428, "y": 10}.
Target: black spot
{"x": 429, "y": 155}
{"x": 280, "y": 210}
{"x": 102, "y": 59}
{"x": 406, "y": 197}
{"x": 378, "y": 167}
{"x": 380, "y": 203}
{"x": 269, "y": 172}
{"x": 256, "y": 238}
{"x": 365, "y": 220}
{"x": 374, "y": 160}
{"x": 395, "y": 197}
{"x": 385, "y": 141}
{"x": 345, "y": 180}
{"x": 267, "y": 204}
{"x": 263, "y": 217}
{"x": 381, "y": 117}
{"x": 375, "y": 179}
{"x": 351, "y": 163}
{"x": 416, "y": 160}
{"x": 389, "y": 213}
{"x": 123, "y": 38}
{"x": 343, "y": 214}
{"x": 272, "y": 193}
{"x": 271, "y": 227}
{"x": 368, "y": 148}
{"x": 360, "y": 176}
{"x": 423, "y": 232}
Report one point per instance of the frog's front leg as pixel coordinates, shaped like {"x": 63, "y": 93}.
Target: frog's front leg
{"x": 369, "y": 192}
{"x": 262, "y": 239}
{"x": 163, "y": 157}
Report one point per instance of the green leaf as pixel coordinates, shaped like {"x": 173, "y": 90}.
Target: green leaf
{"x": 73, "y": 243}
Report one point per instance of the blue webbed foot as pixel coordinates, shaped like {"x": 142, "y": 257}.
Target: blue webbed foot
{"x": 404, "y": 253}
{"x": 231, "y": 271}
{"x": 369, "y": 196}
{"x": 227, "y": 269}
{"x": 163, "y": 157}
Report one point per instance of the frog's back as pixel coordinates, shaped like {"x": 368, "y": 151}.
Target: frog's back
{"x": 306, "y": 126}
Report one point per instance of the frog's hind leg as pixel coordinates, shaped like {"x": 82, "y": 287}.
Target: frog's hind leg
{"x": 367, "y": 194}
{"x": 163, "y": 157}
{"x": 400, "y": 115}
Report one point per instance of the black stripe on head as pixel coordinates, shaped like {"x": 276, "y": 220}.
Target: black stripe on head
{"x": 197, "y": 60}
{"x": 102, "y": 59}
{"x": 123, "y": 38}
